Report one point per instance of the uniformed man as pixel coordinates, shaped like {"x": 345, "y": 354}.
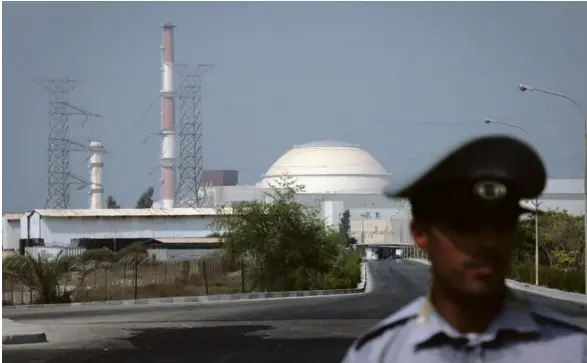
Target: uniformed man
{"x": 465, "y": 212}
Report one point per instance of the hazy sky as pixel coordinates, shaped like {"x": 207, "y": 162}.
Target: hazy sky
{"x": 396, "y": 78}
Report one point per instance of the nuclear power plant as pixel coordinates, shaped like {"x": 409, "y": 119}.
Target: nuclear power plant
{"x": 336, "y": 177}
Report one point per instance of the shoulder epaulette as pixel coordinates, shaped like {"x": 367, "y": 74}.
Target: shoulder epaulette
{"x": 401, "y": 317}
{"x": 379, "y": 331}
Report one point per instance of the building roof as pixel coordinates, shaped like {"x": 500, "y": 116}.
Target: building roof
{"x": 564, "y": 186}
{"x": 325, "y": 143}
{"x": 146, "y": 212}
{"x": 326, "y": 158}
{"x": 13, "y": 216}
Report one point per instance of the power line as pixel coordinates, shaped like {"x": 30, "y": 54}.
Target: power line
{"x": 120, "y": 162}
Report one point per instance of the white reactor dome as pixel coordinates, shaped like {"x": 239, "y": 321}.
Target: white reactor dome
{"x": 329, "y": 167}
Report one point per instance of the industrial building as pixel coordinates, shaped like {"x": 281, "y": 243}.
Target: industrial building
{"x": 324, "y": 168}
{"x": 339, "y": 176}
{"x": 336, "y": 176}
{"x": 218, "y": 178}
{"x": 115, "y": 228}
{"x": 328, "y": 171}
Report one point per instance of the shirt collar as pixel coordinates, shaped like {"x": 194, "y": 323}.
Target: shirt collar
{"x": 514, "y": 317}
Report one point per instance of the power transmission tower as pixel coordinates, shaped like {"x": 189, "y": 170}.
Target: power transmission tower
{"x": 189, "y": 192}
{"x": 59, "y": 177}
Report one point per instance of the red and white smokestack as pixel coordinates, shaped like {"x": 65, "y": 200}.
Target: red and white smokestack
{"x": 169, "y": 136}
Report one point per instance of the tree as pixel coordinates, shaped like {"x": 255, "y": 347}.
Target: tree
{"x": 287, "y": 243}
{"x": 146, "y": 199}
{"x": 111, "y": 203}
{"x": 44, "y": 276}
{"x": 344, "y": 226}
{"x": 561, "y": 251}
{"x": 560, "y": 240}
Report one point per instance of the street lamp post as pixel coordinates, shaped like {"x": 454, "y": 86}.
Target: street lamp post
{"x": 536, "y": 203}
{"x": 524, "y": 88}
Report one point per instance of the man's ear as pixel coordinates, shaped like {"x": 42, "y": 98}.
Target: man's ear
{"x": 419, "y": 232}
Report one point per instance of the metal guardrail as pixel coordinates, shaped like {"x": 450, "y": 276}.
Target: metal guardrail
{"x": 571, "y": 297}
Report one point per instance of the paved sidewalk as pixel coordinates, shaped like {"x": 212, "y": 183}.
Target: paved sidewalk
{"x": 16, "y": 333}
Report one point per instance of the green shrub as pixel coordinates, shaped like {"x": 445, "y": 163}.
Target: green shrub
{"x": 346, "y": 272}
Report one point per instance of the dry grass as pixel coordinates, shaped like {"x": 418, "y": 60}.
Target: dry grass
{"x": 196, "y": 287}
{"x": 153, "y": 280}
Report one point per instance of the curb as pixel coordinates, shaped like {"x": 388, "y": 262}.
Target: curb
{"x": 206, "y": 298}
{"x": 363, "y": 284}
{"x": 16, "y": 333}
{"x": 368, "y": 287}
{"x": 193, "y": 299}
{"x": 24, "y": 339}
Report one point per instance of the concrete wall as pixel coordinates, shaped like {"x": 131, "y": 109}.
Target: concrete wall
{"x": 380, "y": 231}
{"x": 170, "y": 255}
{"x": 163, "y": 255}
{"x": 10, "y": 233}
{"x": 332, "y": 213}
{"x": 559, "y": 193}
{"x": 51, "y": 252}
{"x": 226, "y": 195}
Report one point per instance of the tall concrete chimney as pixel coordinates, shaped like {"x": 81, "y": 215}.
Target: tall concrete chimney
{"x": 96, "y": 167}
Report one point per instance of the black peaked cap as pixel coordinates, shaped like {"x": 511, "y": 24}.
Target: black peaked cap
{"x": 493, "y": 157}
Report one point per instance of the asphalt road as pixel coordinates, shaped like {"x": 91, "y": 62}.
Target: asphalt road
{"x": 286, "y": 330}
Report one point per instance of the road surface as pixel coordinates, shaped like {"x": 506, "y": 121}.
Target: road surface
{"x": 288, "y": 330}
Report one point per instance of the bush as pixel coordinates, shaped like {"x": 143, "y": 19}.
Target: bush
{"x": 561, "y": 251}
{"x": 560, "y": 240}
{"x": 42, "y": 276}
{"x": 346, "y": 272}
